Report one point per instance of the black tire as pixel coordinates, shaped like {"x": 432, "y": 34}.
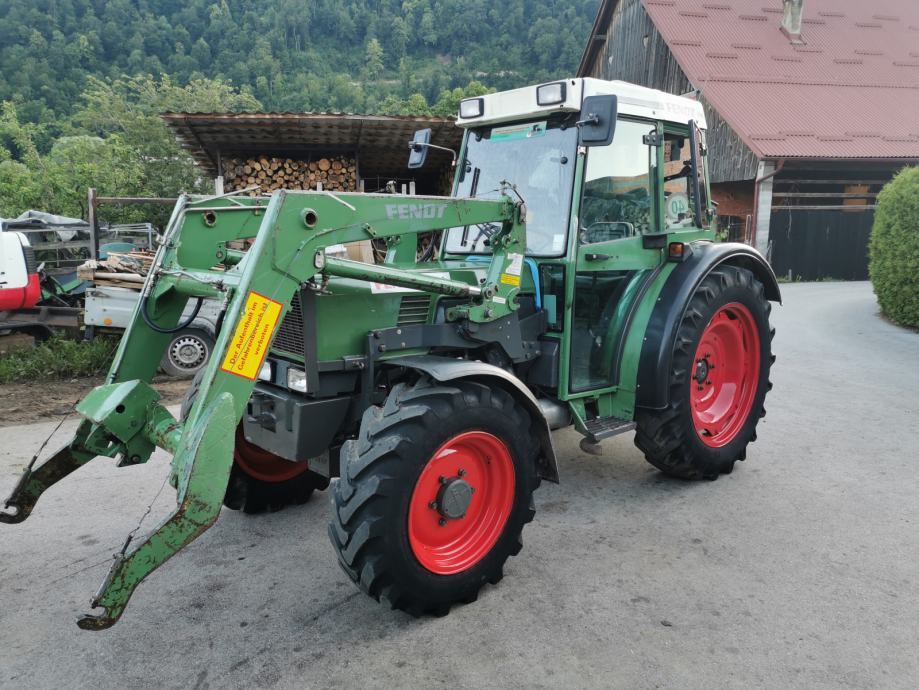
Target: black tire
{"x": 187, "y": 353}
{"x": 668, "y": 437}
{"x": 379, "y": 472}
{"x": 252, "y": 495}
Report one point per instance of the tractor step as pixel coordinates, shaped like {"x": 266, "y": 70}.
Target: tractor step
{"x": 606, "y": 427}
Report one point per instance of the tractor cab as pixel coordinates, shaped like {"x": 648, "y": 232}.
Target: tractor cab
{"x": 613, "y": 180}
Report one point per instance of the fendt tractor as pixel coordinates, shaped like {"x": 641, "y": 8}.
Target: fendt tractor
{"x": 576, "y": 281}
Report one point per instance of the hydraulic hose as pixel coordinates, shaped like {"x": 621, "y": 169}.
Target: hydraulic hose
{"x": 177, "y": 328}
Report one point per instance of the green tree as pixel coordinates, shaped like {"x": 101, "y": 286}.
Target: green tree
{"x": 447, "y": 104}
{"x": 373, "y": 59}
{"x": 79, "y": 162}
{"x": 19, "y": 189}
{"x": 57, "y": 182}
{"x": 894, "y": 249}
{"x": 131, "y": 108}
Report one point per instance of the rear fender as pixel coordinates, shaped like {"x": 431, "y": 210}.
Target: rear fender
{"x": 443, "y": 369}
{"x": 654, "y": 364}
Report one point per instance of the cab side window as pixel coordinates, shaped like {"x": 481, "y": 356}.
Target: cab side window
{"x": 618, "y": 197}
{"x": 678, "y": 205}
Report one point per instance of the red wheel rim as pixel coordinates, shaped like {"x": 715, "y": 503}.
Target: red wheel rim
{"x": 447, "y": 545}
{"x": 725, "y": 375}
{"x": 263, "y": 465}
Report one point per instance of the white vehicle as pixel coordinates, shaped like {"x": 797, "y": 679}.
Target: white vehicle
{"x": 19, "y": 284}
{"x": 189, "y": 349}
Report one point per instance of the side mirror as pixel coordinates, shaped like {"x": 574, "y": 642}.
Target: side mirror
{"x": 597, "y": 122}
{"x": 419, "y": 148}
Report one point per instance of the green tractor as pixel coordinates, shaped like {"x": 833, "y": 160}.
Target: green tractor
{"x": 576, "y": 282}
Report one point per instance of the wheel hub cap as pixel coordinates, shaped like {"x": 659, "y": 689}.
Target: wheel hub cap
{"x": 454, "y": 498}
{"x": 702, "y": 367}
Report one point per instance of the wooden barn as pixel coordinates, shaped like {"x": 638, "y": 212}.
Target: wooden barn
{"x": 811, "y": 107}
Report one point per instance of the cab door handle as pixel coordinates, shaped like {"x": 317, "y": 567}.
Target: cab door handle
{"x": 596, "y": 257}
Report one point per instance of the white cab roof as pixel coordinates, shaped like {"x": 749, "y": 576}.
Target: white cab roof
{"x": 506, "y": 106}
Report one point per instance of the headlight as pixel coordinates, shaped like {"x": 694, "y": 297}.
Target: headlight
{"x": 471, "y": 107}
{"x": 264, "y": 374}
{"x": 296, "y": 380}
{"x": 550, "y": 94}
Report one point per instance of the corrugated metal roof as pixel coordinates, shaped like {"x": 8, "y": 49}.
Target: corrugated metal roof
{"x": 380, "y": 141}
{"x": 850, "y": 90}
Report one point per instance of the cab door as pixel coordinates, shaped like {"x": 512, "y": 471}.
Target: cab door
{"x": 618, "y": 209}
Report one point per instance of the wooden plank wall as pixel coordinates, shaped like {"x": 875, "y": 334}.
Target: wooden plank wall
{"x": 634, "y": 51}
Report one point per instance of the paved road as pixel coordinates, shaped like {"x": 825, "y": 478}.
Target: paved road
{"x": 798, "y": 570}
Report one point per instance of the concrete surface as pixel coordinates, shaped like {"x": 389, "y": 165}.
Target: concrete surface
{"x": 798, "y": 570}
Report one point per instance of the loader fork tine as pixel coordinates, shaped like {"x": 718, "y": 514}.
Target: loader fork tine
{"x": 203, "y": 466}
{"x": 34, "y": 481}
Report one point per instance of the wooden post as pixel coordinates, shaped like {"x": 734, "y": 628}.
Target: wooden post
{"x": 93, "y": 223}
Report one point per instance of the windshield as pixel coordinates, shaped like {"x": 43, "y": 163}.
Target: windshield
{"x": 539, "y": 158}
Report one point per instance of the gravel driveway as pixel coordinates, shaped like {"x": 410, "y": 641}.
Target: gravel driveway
{"x": 798, "y": 570}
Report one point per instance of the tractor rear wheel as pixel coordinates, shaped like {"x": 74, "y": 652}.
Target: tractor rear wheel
{"x": 719, "y": 378}
{"x": 434, "y": 494}
{"x": 261, "y": 481}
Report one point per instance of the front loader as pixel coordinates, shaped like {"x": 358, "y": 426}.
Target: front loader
{"x": 576, "y": 283}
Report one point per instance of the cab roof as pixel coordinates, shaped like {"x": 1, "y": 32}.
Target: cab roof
{"x": 639, "y": 101}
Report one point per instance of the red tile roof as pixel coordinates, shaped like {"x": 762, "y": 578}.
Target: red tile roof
{"x": 851, "y": 90}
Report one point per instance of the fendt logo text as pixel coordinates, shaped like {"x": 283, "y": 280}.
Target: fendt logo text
{"x": 408, "y": 211}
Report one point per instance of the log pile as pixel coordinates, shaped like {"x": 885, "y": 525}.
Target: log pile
{"x": 335, "y": 173}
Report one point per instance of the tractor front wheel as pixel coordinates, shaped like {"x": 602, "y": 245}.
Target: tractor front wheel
{"x": 260, "y": 481}
{"x": 434, "y": 494}
{"x": 718, "y": 380}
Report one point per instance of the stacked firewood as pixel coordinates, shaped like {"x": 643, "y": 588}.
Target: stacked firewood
{"x": 335, "y": 173}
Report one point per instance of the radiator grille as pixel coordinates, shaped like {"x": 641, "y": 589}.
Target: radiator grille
{"x": 290, "y": 335}
{"x": 414, "y": 309}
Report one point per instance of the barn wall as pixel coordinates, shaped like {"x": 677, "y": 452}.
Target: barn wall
{"x": 633, "y": 50}
{"x": 814, "y": 245}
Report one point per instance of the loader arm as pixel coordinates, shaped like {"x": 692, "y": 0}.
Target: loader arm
{"x": 123, "y": 418}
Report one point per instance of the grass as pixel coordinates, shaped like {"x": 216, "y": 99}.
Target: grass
{"x": 56, "y": 359}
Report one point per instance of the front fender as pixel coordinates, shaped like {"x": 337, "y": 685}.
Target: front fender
{"x": 444, "y": 369}
{"x": 653, "y": 390}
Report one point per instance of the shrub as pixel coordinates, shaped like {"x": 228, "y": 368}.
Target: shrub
{"x": 894, "y": 249}
{"x": 57, "y": 358}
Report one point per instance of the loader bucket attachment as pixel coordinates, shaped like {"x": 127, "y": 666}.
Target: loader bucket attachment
{"x": 124, "y": 419}
{"x": 34, "y": 481}
{"x": 206, "y": 455}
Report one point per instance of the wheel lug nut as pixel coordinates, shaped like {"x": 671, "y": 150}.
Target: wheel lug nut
{"x": 442, "y": 522}
{"x": 462, "y": 472}
{"x": 433, "y": 505}
{"x": 442, "y": 479}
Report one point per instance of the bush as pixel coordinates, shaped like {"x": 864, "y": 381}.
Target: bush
{"x": 57, "y": 358}
{"x": 894, "y": 249}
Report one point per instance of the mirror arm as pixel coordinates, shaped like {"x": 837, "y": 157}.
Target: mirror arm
{"x": 592, "y": 119}
{"x": 417, "y": 146}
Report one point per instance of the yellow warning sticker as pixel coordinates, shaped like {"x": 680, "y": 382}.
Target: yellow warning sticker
{"x": 508, "y": 279}
{"x": 252, "y": 336}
